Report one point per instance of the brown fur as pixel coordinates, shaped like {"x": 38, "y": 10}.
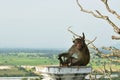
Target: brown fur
{"x": 80, "y": 49}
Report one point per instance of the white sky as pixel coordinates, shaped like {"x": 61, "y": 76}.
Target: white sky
{"x": 44, "y": 23}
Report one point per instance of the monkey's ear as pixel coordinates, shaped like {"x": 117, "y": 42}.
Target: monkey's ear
{"x": 83, "y": 35}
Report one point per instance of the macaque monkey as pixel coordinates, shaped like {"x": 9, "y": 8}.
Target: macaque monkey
{"x": 80, "y": 52}
{"x": 77, "y": 55}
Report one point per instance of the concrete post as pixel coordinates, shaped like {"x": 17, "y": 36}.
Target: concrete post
{"x": 64, "y": 73}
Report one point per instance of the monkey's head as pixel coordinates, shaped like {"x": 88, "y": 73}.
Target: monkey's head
{"x": 79, "y": 42}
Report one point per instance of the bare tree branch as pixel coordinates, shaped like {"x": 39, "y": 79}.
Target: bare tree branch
{"x": 92, "y": 46}
{"x": 114, "y": 60}
{"x": 114, "y": 52}
{"x": 99, "y": 15}
{"x": 108, "y": 56}
{"x": 113, "y": 49}
{"x": 74, "y": 34}
{"x": 87, "y": 11}
{"x": 91, "y": 41}
{"x": 114, "y": 55}
{"x": 110, "y": 10}
{"x": 116, "y": 37}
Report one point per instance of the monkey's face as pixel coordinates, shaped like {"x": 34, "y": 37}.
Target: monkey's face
{"x": 79, "y": 43}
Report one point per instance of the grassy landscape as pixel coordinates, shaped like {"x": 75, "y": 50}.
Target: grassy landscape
{"x": 26, "y": 59}
{"x": 14, "y": 59}
{"x": 37, "y": 58}
{"x": 16, "y": 72}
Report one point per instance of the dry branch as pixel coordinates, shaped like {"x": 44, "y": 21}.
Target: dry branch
{"x": 112, "y": 55}
{"x": 99, "y": 15}
{"x": 74, "y": 34}
{"x": 116, "y": 37}
{"x": 109, "y": 9}
{"x": 109, "y": 56}
{"x": 114, "y": 52}
{"x": 91, "y": 41}
{"x": 87, "y": 11}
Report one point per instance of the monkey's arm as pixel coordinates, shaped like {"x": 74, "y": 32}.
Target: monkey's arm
{"x": 71, "y": 51}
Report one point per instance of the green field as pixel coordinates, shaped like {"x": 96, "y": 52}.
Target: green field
{"x": 36, "y": 59}
{"x": 15, "y": 60}
{"x": 39, "y": 59}
{"x": 26, "y": 59}
{"x": 16, "y": 72}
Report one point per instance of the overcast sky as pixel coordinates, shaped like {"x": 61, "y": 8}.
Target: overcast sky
{"x": 44, "y": 23}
